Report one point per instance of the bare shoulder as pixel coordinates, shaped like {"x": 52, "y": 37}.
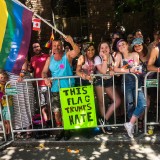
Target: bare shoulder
{"x": 118, "y": 59}
{"x": 156, "y": 49}
{"x": 117, "y": 55}
{"x": 135, "y": 54}
{"x": 154, "y": 52}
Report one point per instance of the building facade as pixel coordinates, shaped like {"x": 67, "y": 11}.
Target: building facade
{"x": 95, "y": 18}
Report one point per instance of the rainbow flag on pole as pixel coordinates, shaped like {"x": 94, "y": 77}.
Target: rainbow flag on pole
{"x": 15, "y": 34}
{"x": 49, "y": 43}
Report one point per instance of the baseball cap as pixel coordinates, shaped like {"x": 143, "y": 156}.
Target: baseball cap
{"x": 137, "y": 41}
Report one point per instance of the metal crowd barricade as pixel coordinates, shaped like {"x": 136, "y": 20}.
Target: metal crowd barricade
{"x": 152, "y": 82}
{"x": 2, "y": 129}
{"x": 115, "y": 124}
{"x": 34, "y": 82}
{"x": 4, "y": 141}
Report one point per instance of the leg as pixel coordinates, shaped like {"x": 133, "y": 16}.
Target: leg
{"x": 58, "y": 117}
{"x": 148, "y": 106}
{"x": 46, "y": 116}
{"x": 141, "y": 104}
{"x": 43, "y": 103}
{"x": 5, "y": 125}
{"x": 8, "y": 127}
{"x": 130, "y": 101}
{"x": 133, "y": 119}
{"x": 109, "y": 91}
{"x": 100, "y": 96}
{"x": 44, "y": 113}
{"x": 56, "y": 108}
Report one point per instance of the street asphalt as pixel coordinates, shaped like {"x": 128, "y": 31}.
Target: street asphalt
{"x": 79, "y": 147}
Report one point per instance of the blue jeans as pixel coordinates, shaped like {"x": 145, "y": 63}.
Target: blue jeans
{"x": 130, "y": 98}
{"x": 130, "y": 93}
{"x": 141, "y": 104}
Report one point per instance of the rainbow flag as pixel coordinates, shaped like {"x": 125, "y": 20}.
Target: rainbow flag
{"x": 15, "y": 34}
{"x": 52, "y": 37}
{"x": 49, "y": 43}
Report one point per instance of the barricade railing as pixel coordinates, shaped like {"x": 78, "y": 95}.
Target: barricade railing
{"x": 27, "y": 86}
{"x": 4, "y": 141}
{"x": 2, "y": 129}
{"x": 151, "y": 81}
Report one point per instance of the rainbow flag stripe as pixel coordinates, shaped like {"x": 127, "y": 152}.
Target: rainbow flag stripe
{"x": 15, "y": 34}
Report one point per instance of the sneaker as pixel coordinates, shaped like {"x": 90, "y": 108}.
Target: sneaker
{"x": 67, "y": 135}
{"x": 130, "y": 129}
{"x": 105, "y": 129}
{"x": 59, "y": 135}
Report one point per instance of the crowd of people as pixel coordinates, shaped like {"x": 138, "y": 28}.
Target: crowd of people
{"x": 128, "y": 55}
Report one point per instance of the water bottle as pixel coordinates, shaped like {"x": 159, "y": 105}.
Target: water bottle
{"x": 138, "y": 69}
{"x": 150, "y": 130}
{"x": 96, "y": 131}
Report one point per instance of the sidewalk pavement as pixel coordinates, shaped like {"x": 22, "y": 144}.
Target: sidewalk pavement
{"x": 119, "y": 136}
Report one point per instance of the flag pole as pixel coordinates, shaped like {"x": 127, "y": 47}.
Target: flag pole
{"x": 49, "y": 24}
{"x": 54, "y": 23}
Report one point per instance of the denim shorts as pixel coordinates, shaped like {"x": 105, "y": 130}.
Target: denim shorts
{"x": 106, "y": 82}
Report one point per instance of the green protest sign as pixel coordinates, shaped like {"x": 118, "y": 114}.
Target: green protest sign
{"x": 78, "y": 107}
{"x": 151, "y": 83}
{"x": 11, "y": 91}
